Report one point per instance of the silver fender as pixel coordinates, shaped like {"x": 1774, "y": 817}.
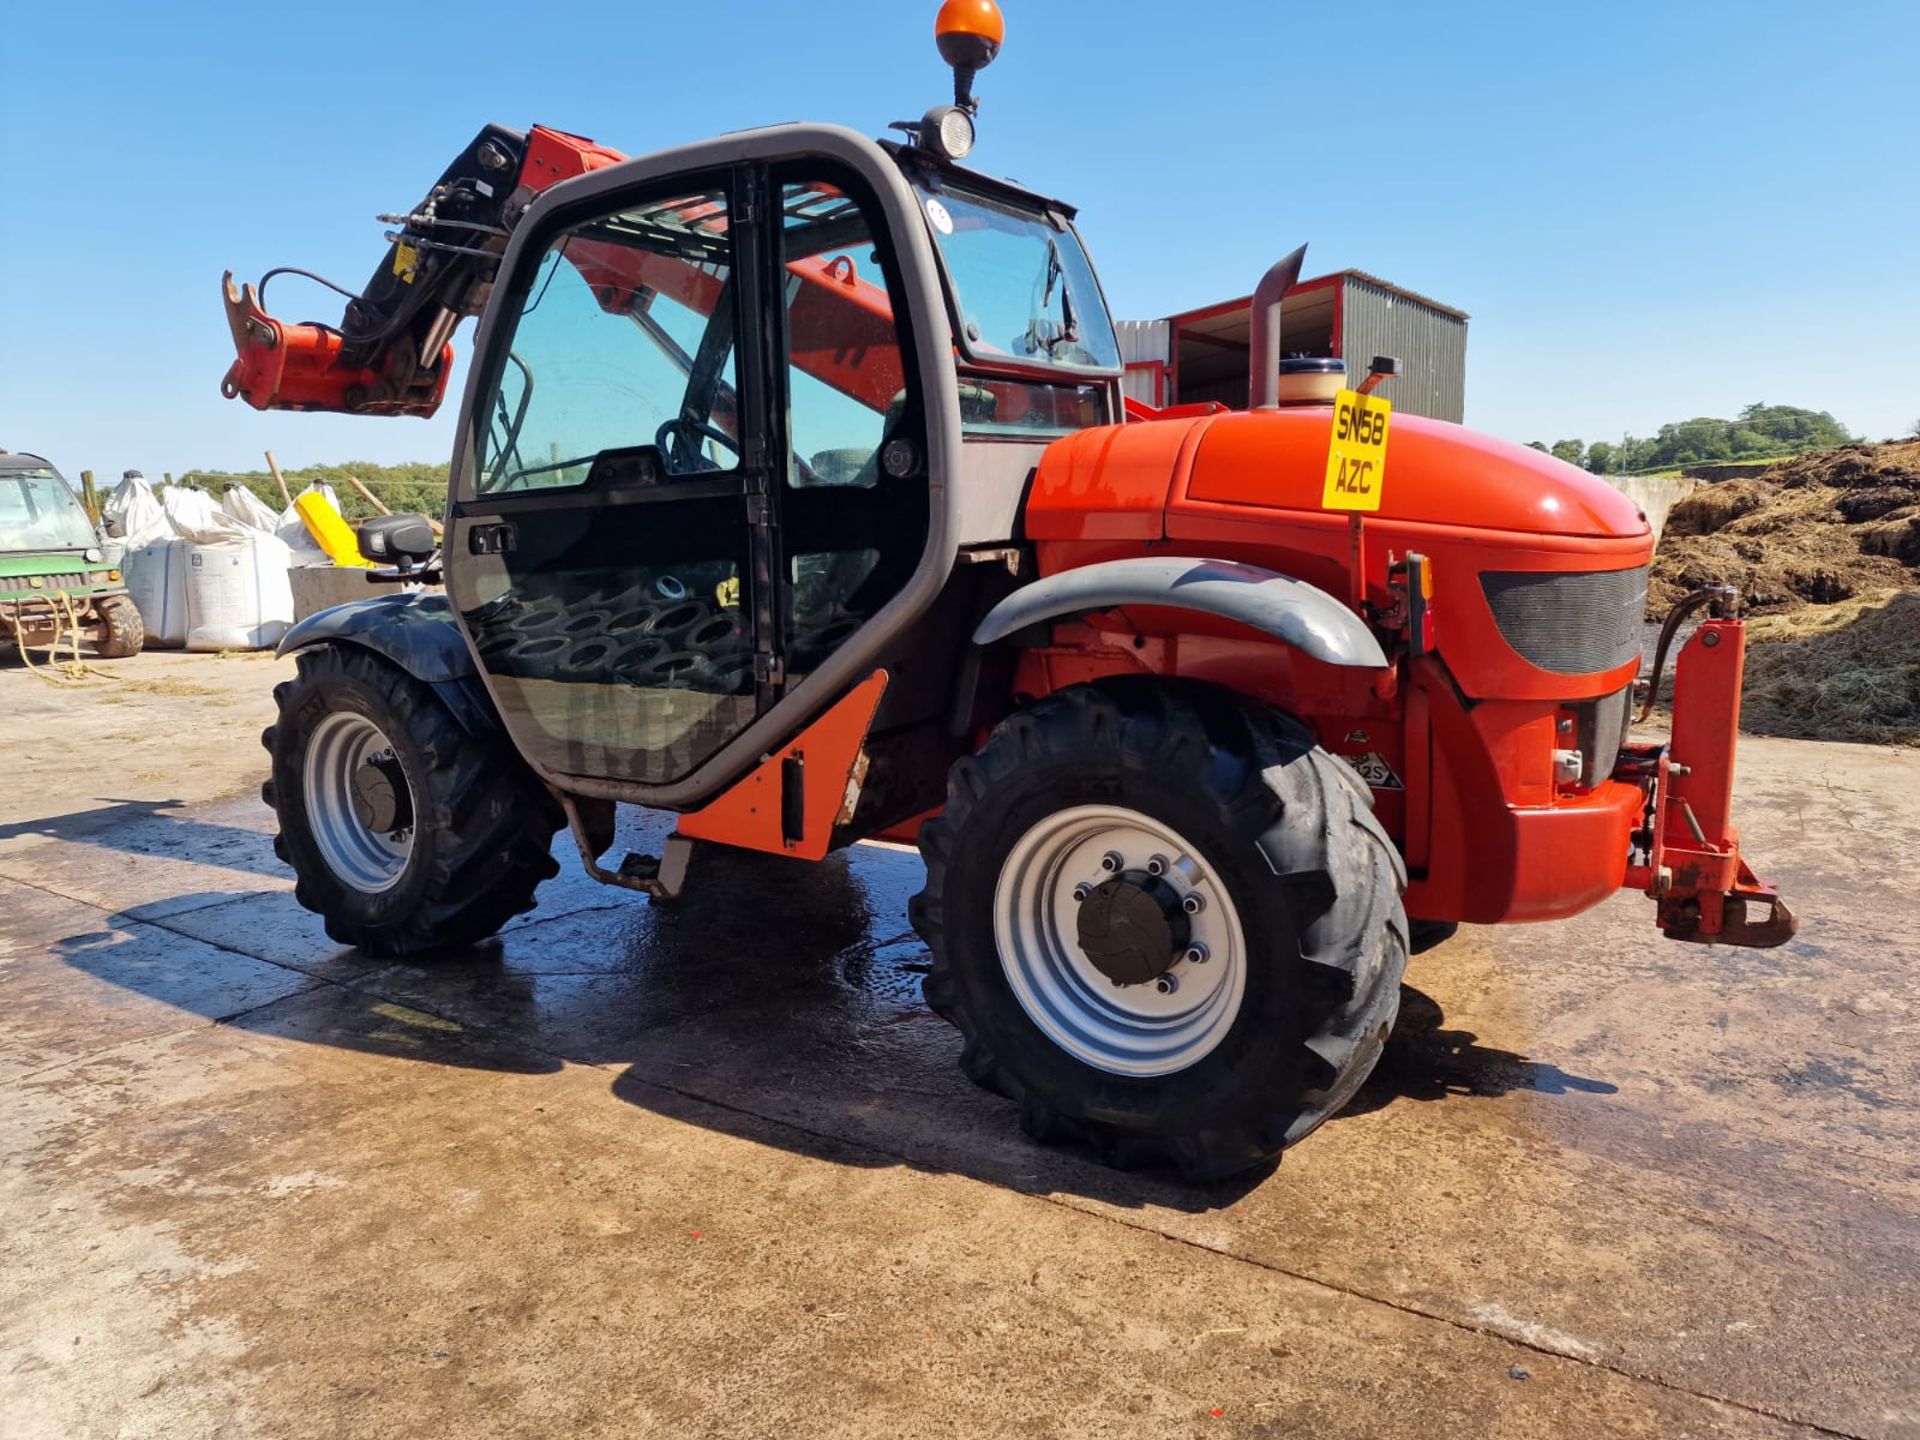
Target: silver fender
{"x": 1302, "y": 615}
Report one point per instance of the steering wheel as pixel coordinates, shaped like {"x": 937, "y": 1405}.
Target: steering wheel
{"x": 689, "y": 433}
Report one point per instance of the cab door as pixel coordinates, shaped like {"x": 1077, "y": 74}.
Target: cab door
{"x": 610, "y": 550}
{"x": 699, "y": 468}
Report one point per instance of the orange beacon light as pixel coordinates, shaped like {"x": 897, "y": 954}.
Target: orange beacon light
{"x": 969, "y": 34}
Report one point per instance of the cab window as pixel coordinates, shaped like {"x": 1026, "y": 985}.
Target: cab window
{"x": 625, "y": 339}
{"x": 853, "y": 532}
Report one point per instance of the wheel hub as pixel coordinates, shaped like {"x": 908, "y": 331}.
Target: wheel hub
{"x": 1119, "y": 940}
{"x": 1132, "y": 929}
{"x": 359, "y": 809}
{"x": 381, "y": 800}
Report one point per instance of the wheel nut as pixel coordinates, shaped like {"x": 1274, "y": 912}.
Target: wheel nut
{"x": 1082, "y": 891}
{"x": 1197, "y": 953}
{"x": 1167, "y": 984}
{"x": 1112, "y": 860}
{"x": 1157, "y": 865}
{"x": 1194, "y": 902}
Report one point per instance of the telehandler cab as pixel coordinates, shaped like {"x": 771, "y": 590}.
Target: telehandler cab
{"x": 795, "y": 493}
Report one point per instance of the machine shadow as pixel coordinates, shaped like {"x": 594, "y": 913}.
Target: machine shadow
{"x": 148, "y": 828}
{"x": 1426, "y": 1061}
{"x": 778, "y": 1002}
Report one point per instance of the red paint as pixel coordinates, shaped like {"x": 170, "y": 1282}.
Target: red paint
{"x": 748, "y": 814}
{"x": 1112, "y": 483}
{"x": 1437, "y": 473}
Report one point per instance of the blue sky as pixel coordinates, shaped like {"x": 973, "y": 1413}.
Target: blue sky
{"x": 1651, "y": 210}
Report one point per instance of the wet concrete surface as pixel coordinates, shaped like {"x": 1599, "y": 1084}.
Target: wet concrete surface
{"x": 710, "y": 1168}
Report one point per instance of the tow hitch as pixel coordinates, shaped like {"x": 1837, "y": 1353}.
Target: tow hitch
{"x": 1686, "y": 855}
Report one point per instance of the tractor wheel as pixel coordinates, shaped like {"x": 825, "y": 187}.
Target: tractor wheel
{"x": 407, "y": 833}
{"x": 1166, "y": 924}
{"x": 123, "y": 632}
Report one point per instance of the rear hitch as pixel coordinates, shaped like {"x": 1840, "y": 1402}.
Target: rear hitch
{"x": 1686, "y": 855}
{"x": 1688, "y": 919}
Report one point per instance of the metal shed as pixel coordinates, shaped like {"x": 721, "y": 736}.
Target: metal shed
{"x": 1202, "y": 354}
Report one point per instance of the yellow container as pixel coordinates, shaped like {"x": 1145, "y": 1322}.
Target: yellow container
{"x": 329, "y": 529}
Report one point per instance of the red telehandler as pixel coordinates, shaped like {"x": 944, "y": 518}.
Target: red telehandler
{"x": 795, "y": 493}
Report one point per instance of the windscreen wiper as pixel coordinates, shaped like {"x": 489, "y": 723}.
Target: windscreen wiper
{"x": 1056, "y": 274}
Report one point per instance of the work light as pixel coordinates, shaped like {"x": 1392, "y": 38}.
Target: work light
{"x": 947, "y": 131}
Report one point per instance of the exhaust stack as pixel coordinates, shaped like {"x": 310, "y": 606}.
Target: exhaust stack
{"x": 1263, "y": 387}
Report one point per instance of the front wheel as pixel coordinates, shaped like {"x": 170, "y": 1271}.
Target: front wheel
{"x": 1165, "y": 923}
{"x": 122, "y": 631}
{"x": 407, "y": 832}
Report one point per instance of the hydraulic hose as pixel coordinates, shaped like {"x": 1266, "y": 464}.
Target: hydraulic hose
{"x": 1710, "y": 594}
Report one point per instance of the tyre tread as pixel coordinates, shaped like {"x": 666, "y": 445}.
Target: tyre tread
{"x": 1309, "y": 814}
{"x": 491, "y": 822}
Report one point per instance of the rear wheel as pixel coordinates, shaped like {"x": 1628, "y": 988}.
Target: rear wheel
{"x": 123, "y": 631}
{"x": 407, "y": 833}
{"x": 1165, "y": 922}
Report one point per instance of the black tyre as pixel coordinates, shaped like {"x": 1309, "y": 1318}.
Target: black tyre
{"x": 125, "y": 632}
{"x": 1268, "y": 895}
{"x": 407, "y": 833}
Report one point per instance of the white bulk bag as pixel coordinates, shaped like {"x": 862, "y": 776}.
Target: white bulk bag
{"x": 133, "y": 514}
{"x": 248, "y": 508}
{"x": 196, "y": 519}
{"x": 156, "y": 576}
{"x": 238, "y": 596}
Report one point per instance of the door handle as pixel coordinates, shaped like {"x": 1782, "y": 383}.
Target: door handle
{"x": 494, "y": 539}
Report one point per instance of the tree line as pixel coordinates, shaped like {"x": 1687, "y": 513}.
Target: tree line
{"x": 1761, "y": 432}
{"x": 418, "y": 488}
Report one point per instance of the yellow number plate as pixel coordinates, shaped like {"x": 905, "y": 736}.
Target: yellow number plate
{"x": 1357, "y": 457}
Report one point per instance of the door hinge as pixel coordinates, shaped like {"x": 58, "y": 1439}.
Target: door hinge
{"x": 747, "y": 212}
{"x": 759, "y": 512}
{"x": 756, "y": 453}
{"x": 768, "y": 669}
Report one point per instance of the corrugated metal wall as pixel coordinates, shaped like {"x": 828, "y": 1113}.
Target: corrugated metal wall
{"x": 1142, "y": 340}
{"x": 1431, "y": 348}
{"x": 1142, "y": 383}
{"x": 1145, "y": 347}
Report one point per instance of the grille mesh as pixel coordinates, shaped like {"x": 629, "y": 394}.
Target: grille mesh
{"x": 1571, "y": 624}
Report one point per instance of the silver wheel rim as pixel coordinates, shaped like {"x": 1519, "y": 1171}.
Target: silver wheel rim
{"x": 1122, "y": 1029}
{"x": 366, "y": 859}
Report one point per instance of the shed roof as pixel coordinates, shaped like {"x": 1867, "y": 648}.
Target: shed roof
{"x": 1186, "y": 318}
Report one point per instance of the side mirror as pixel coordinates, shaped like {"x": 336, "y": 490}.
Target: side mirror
{"x": 404, "y": 541}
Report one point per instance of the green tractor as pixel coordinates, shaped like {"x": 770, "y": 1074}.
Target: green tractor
{"x": 54, "y": 576}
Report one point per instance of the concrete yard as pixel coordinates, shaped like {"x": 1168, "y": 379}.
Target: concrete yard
{"x": 711, "y": 1169}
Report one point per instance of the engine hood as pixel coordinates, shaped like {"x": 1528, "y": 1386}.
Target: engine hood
{"x": 1124, "y": 482}
{"x": 1436, "y": 473}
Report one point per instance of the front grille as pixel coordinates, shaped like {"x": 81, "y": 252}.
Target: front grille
{"x": 1602, "y": 729}
{"x": 49, "y": 583}
{"x": 1572, "y": 624}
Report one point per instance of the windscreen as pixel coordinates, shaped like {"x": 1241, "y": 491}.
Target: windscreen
{"x": 39, "y": 512}
{"x": 1022, "y": 283}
